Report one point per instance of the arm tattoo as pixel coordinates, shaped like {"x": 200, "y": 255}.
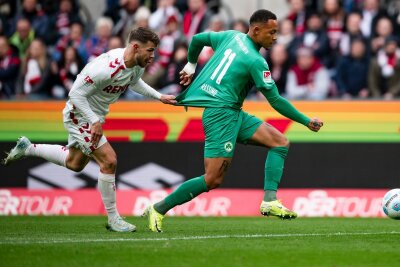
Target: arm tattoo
{"x": 224, "y": 166}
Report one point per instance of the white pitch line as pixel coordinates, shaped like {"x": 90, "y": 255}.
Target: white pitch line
{"x": 66, "y": 241}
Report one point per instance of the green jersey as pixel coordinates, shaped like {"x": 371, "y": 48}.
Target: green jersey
{"x": 232, "y": 71}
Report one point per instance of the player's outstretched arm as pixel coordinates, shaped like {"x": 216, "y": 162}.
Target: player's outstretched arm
{"x": 285, "y": 108}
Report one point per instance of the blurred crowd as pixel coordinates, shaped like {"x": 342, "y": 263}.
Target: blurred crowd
{"x": 326, "y": 49}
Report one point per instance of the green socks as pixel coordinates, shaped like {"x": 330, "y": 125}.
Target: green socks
{"x": 184, "y": 193}
{"x": 194, "y": 187}
{"x": 273, "y": 171}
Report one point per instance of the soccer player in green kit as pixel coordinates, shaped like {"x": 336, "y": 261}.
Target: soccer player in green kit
{"x": 221, "y": 88}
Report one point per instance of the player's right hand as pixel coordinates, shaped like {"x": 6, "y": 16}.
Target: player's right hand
{"x": 315, "y": 124}
{"x": 168, "y": 99}
{"x": 96, "y": 132}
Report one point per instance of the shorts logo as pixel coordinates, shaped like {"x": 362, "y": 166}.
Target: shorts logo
{"x": 228, "y": 146}
{"x": 267, "y": 76}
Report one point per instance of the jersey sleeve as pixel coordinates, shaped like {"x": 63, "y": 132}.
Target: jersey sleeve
{"x": 87, "y": 83}
{"x": 200, "y": 40}
{"x": 261, "y": 74}
{"x": 144, "y": 89}
{"x": 283, "y": 106}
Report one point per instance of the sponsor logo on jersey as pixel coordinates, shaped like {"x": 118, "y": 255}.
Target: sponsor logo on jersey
{"x": 241, "y": 44}
{"x": 89, "y": 80}
{"x": 115, "y": 89}
{"x": 228, "y": 146}
{"x": 267, "y": 76}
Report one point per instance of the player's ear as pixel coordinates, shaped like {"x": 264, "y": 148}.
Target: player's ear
{"x": 135, "y": 46}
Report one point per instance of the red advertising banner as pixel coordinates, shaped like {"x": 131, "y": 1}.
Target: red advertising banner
{"x": 221, "y": 202}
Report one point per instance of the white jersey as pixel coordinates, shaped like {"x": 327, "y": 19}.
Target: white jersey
{"x": 101, "y": 83}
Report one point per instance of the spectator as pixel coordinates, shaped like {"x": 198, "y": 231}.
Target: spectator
{"x": 61, "y": 21}
{"x": 384, "y": 71}
{"x": 9, "y": 68}
{"x": 65, "y": 72}
{"x": 286, "y": 33}
{"x": 170, "y": 82}
{"x": 171, "y": 35}
{"x": 333, "y": 15}
{"x": 315, "y": 38}
{"x": 76, "y": 39}
{"x": 31, "y": 11}
{"x": 384, "y": 29}
{"x": 279, "y": 66}
{"x": 98, "y": 42}
{"x": 352, "y": 71}
{"x": 165, "y": 9}
{"x": 8, "y": 10}
{"x": 139, "y": 19}
{"x": 216, "y": 24}
{"x": 352, "y": 32}
{"x": 308, "y": 78}
{"x": 240, "y": 25}
{"x": 36, "y": 72}
{"x": 297, "y": 14}
{"x": 196, "y": 18}
{"x": 115, "y": 42}
{"x": 370, "y": 15}
{"x": 123, "y": 16}
{"x": 142, "y": 17}
{"x": 23, "y": 37}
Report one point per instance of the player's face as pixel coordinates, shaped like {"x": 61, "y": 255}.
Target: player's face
{"x": 145, "y": 54}
{"x": 267, "y": 33}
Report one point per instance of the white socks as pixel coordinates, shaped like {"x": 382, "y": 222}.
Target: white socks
{"x": 106, "y": 185}
{"x": 54, "y": 153}
{"x": 58, "y": 154}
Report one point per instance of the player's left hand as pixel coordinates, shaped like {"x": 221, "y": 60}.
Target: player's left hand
{"x": 96, "y": 132}
{"x": 185, "y": 78}
{"x": 186, "y": 75}
{"x": 315, "y": 124}
{"x": 168, "y": 99}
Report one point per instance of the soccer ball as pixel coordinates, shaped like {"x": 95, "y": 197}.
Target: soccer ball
{"x": 391, "y": 204}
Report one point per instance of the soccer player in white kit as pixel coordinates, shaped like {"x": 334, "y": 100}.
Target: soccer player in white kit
{"x": 99, "y": 84}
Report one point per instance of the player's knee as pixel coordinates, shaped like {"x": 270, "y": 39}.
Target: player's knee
{"x": 285, "y": 142}
{"x": 109, "y": 165}
{"x": 76, "y": 167}
{"x": 213, "y": 183}
{"x": 281, "y": 141}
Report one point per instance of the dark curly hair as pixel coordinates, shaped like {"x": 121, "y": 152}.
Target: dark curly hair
{"x": 262, "y": 15}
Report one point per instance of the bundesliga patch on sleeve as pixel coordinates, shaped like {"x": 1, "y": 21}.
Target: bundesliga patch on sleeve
{"x": 267, "y": 76}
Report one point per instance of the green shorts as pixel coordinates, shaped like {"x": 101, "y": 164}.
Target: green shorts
{"x": 224, "y": 127}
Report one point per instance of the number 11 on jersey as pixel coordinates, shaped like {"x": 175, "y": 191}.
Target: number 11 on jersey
{"x": 228, "y": 55}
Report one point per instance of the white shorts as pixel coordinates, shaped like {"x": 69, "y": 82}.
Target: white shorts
{"x": 79, "y": 133}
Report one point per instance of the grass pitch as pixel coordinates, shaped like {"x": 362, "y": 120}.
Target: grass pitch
{"x": 196, "y": 241}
